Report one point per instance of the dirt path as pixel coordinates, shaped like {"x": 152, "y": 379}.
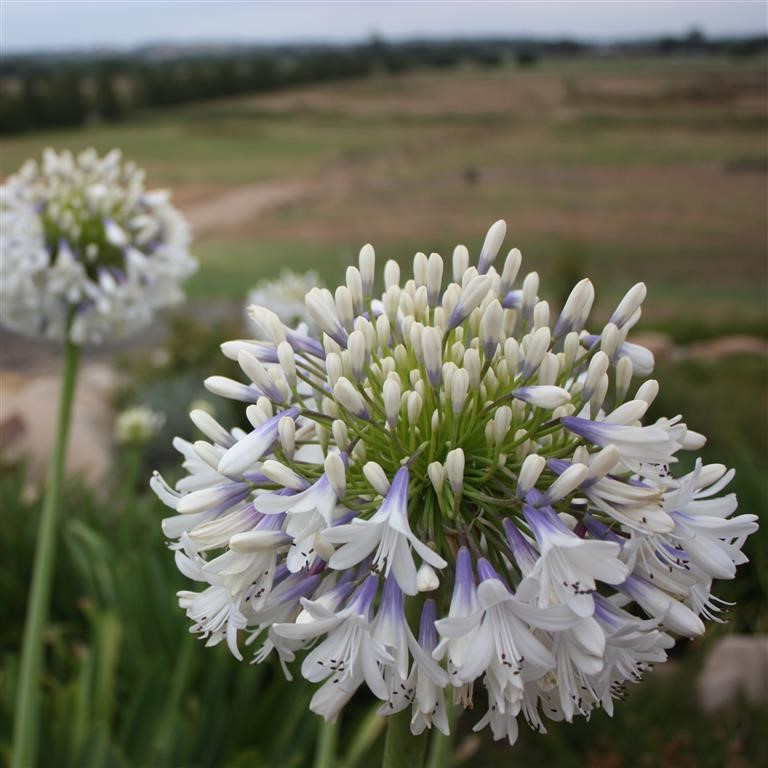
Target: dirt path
{"x": 228, "y": 209}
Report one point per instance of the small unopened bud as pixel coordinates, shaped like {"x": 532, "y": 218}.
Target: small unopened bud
{"x": 356, "y": 347}
{"x": 349, "y": 398}
{"x": 624, "y": 370}
{"x": 571, "y": 347}
{"x": 470, "y": 298}
{"x": 286, "y": 430}
{"x": 491, "y": 245}
{"x": 374, "y": 474}
{"x": 359, "y": 454}
{"x": 541, "y": 314}
{"x": 283, "y": 475}
{"x": 355, "y": 286}
{"x": 598, "y": 366}
{"x": 420, "y": 269}
{"x": 420, "y": 301}
{"x": 208, "y": 454}
{"x": 502, "y": 421}
{"x": 460, "y": 262}
{"x": 434, "y": 278}
{"x": 257, "y": 541}
{"x": 336, "y": 472}
{"x": 426, "y": 578}
{"x": 392, "y": 392}
{"x": 491, "y": 326}
{"x": 333, "y": 367}
{"x": 323, "y": 310}
{"x": 340, "y": 434}
{"x": 367, "y": 261}
{"x": 578, "y": 304}
{"x": 211, "y": 428}
{"x": 437, "y": 474}
{"x": 548, "y": 368}
{"x": 627, "y": 413}
{"x": 413, "y": 407}
{"x": 391, "y": 274}
{"x": 287, "y": 360}
{"x": 509, "y": 271}
{"x": 530, "y": 472}
{"x": 512, "y": 355}
{"x": 568, "y": 481}
{"x": 259, "y": 375}
{"x": 454, "y": 467}
{"x": 647, "y": 391}
{"x": 543, "y": 396}
{"x": 538, "y": 344}
{"x": 693, "y": 441}
{"x": 598, "y": 396}
{"x": 603, "y": 462}
{"x": 471, "y": 364}
{"x": 383, "y": 331}
{"x": 610, "y": 339}
{"x": 431, "y": 343}
{"x": 459, "y": 389}
{"x": 627, "y": 307}
{"x": 530, "y": 293}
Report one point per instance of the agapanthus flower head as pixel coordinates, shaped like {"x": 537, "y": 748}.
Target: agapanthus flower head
{"x": 137, "y": 425}
{"x": 284, "y": 295}
{"x": 86, "y": 252}
{"x": 445, "y": 486}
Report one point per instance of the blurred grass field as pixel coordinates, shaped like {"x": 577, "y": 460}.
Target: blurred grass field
{"x": 623, "y": 169}
{"x": 619, "y": 169}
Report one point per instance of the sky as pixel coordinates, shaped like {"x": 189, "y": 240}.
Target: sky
{"x": 27, "y": 25}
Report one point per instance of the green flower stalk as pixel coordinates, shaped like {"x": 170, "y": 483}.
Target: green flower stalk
{"x": 87, "y": 255}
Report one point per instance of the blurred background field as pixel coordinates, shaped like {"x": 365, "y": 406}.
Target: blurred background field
{"x": 620, "y": 167}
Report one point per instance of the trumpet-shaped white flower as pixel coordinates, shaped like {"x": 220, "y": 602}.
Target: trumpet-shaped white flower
{"x": 389, "y": 533}
{"x": 86, "y": 253}
{"x": 443, "y": 439}
{"x": 347, "y": 657}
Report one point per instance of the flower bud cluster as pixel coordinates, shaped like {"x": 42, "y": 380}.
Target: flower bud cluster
{"x": 87, "y": 253}
{"x": 448, "y": 487}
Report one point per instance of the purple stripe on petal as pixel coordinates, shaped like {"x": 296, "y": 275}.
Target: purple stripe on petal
{"x": 600, "y": 530}
{"x": 392, "y": 598}
{"x": 464, "y": 585}
{"x": 486, "y": 571}
{"x": 362, "y": 600}
{"x": 427, "y": 631}
{"x": 524, "y": 554}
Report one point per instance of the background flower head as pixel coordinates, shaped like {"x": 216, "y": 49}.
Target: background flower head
{"x": 87, "y": 251}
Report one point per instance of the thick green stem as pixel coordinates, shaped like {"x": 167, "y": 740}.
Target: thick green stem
{"x": 328, "y": 736}
{"x": 440, "y": 750}
{"x": 401, "y": 748}
{"x": 25, "y": 728}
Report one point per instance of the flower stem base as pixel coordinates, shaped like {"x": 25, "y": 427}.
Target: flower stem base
{"x": 401, "y": 748}
{"x": 25, "y": 728}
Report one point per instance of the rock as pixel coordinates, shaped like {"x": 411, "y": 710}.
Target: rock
{"x": 28, "y": 414}
{"x": 736, "y": 665}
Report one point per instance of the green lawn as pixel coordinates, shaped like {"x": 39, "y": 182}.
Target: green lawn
{"x": 622, "y": 169}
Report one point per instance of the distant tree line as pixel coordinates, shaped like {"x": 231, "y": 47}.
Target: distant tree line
{"x": 52, "y": 91}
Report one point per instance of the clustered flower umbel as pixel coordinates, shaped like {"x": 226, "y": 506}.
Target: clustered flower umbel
{"x": 87, "y": 252}
{"x": 284, "y": 295}
{"x": 446, "y": 489}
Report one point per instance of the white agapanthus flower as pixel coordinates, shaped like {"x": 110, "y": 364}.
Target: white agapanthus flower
{"x": 137, "y": 424}
{"x": 85, "y": 251}
{"x": 284, "y": 295}
{"x": 446, "y": 437}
